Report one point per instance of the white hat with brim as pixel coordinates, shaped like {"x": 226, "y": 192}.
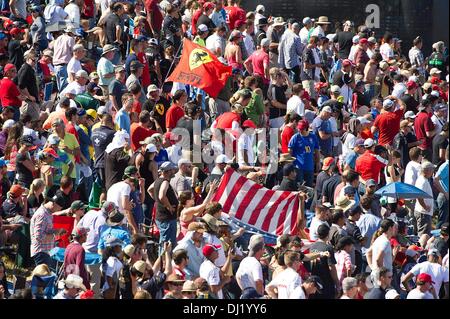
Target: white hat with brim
{"x": 323, "y": 20}
{"x": 108, "y": 48}
{"x": 278, "y": 21}
{"x": 74, "y": 281}
{"x": 344, "y": 203}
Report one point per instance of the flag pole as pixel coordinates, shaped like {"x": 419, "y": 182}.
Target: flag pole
{"x": 172, "y": 64}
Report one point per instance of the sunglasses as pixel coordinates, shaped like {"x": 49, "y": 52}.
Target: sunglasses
{"x": 177, "y": 284}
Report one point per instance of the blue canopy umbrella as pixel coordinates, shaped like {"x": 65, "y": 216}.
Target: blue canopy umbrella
{"x": 402, "y": 190}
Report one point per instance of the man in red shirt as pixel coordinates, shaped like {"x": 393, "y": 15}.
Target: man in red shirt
{"x": 234, "y": 14}
{"x": 258, "y": 62}
{"x": 388, "y": 122}
{"x": 176, "y": 111}
{"x": 425, "y": 129}
{"x": 9, "y": 92}
{"x": 369, "y": 165}
{"x": 140, "y": 131}
{"x": 154, "y": 16}
{"x": 74, "y": 256}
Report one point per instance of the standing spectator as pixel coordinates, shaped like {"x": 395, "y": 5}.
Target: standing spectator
{"x": 117, "y": 89}
{"x": 290, "y": 51}
{"x": 176, "y": 110}
{"x": 287, "y": 281}
{"x": 382, "y": 281}
{"x": 424, "y": 129}
{"x": 74, "y": 256}
{"x": 344, "y": 40}
{"x": 386, "y": 48}
{"x": 166, "y": 202}
{"x": 380, "y": 255}
{"x": 257, "y": 63}
{"x": 10, "y": 94}
{"x": 16, "y": 46}
{"x": 304, "y": 146}
{"x": 388, "y": 123}
{"x": 370, "y": 164}
{"x": 321, "y": 127}
{"x": 311, "y": 66}
{"x": 325, "y": 267}
{"x": 214, "y": 275}
{"x": 441, "y": 184}
{"x": 42, "y": 232}
{"x": 424, "y": 208}
{"x": 416, "y": 56}
{"x": 105, "y": 68}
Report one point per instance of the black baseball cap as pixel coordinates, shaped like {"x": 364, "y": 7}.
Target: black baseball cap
{"x": 317, "y": 282}
{"x": 58, "y": 200}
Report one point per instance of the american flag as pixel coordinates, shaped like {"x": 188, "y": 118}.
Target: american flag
{"x": 262, "y": 209}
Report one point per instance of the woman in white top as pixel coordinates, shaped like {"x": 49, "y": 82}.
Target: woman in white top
{"x": 350, "y": 137}
{"x": 111, "y": 268}
{"x": 394, "y": 171}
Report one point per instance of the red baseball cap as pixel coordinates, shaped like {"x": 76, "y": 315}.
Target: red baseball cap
{"x": 415, "y": 248}
{"x": 327, "y": 162}
{"x": 8, "y": 67}
{"x": 424, "y": 278}
{"x": 305, "y": 95}
{"x": 303, "y": 125}
{"x": 209, "y": 249}
{"x": 172, "y": 138}
{"x": 16, "y": 190}
{"x": 411, "y": 85}
{"x": 208, "y": 5}
{"x": 249, "y": 123}
{"x": 15, "y": 31}
{"x": 363, "y": 41}
{"x": 51, "y": 151}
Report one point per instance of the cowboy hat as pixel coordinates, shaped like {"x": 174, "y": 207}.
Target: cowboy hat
{"x": 74, "y": 281}
{"x": 278, "y": 21}
{"x": 211, "y": 221}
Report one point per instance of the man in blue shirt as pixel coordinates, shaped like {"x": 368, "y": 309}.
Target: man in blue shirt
{"x": 113, "y": 228}
{"x": 123, "y": 116}
{"x": 441, "y": 184}
{"x": 304, "y": 146}
{"x": 322, "y": 129}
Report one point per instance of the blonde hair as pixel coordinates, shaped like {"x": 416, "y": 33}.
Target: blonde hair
{"x": 142, "y": 294}
{"x": 36, "y": 184}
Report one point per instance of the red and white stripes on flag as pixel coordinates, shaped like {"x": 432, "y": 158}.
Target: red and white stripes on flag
{"x": 271, "y": 211}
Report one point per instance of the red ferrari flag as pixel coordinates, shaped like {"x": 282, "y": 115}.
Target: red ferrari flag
{"x": 200, "y": 68}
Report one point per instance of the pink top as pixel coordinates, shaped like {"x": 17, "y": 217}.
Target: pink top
{"x": 343, "y": 264}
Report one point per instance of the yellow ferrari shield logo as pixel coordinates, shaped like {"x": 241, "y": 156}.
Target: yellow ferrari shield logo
{"x": 159, "y": 108}
{"x": 198, "y": 57}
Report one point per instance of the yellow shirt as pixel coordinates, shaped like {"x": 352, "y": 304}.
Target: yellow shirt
{"x": 71, "y": 142}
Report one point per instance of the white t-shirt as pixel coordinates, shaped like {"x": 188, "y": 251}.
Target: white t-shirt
{"x": 213, "y": 42}
{"x": 76, "y": 89}
{"x": 315, "y": 223}
{"x": 438, "y": 123}
{"x": 211, "y": 274}
{"x": 417, "y": 294}
{"x": 423, "y": 184}
{"x": 116, "y": 192}
{"x": 399, "y": 90}
{"x": 304, "y": 33}
{"x": 438, "y": 273}
{"x": 74, "y": 14}
{"x": 348, "y": 145}
{"x": 246, "y": 144}
{"x": 249, "y": 272}
{"x": 353, "y": 50}
{"x": 213, "y": 240}
{"x": 113, "y": 268}
{"x": 295, "y": 104}
{"x": 334, "y": 129}
{"x": 382, "y": 244}
{"x": 73, "y": 66}
{"x": 298, "y": 293}
{"x": 412, "y": 171}
{"x": 285, "y": 282}
{"x": 386, "y": 52}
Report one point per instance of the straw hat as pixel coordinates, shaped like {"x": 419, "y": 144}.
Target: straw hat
{"x": 286, "y": 158}
{"x": 189, "y": 286}
{"x": 41, "y": 270}
{"x": 323, "y": 20}
{"x": 344, "y": 203}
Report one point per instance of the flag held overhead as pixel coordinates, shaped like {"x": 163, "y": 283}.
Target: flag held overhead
{"x": 200, "y": 68}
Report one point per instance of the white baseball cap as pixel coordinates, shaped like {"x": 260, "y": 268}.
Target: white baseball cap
{"x": 260, "y": 7}
{"x": 387, "y": 104}
{"x": 368, "y": 143}
{"x": 8, "y": 124}
{"x": 335, "y": 89}
{"x": 355, "y": 39}
{"x": 222, "y": 159}
{"x": 410, "y": 115}
{"x": 363, "y": 120}
{"x": 151, "y": 148}
{"x": 435, "y": 71}
{"x": 307, "y": 20}
{"x": 327, "y": 109}
{"x": 202, "y": 28}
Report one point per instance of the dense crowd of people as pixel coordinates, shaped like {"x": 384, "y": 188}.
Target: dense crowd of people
{"x": 92, "y": 133}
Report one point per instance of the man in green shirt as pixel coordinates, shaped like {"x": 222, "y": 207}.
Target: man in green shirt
{"x": 86, "y": 99}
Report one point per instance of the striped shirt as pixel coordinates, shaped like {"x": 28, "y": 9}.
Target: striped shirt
{"x": 41, "y": 226}
{"x": 416, "y": 59}
{"x": 290, "y": 50}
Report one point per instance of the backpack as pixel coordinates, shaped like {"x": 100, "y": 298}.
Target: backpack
{"x": 336, "y": 68}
